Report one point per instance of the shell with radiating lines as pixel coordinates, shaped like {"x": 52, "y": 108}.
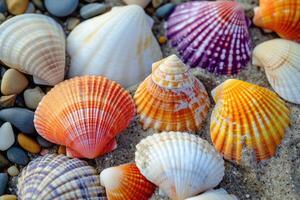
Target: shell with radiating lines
{"x": 211, "y": 35}
{"x": 247, "y": 115}
{"x": 281, "y": 60}
{"x": 85, "y": 114}
{"x": 171, "y": 98}
{"x": 59, "y": 177}
{"x": 34, "y": 44}
{"x": 218, "y": 194}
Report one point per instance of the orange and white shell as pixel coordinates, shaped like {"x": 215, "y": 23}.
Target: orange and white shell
{"x": 247, "y": 115}
{"x": 281, "y": 60}
{"x": 280, "y": 16}
{"x": 85, "y": 114}
{"x": 219, "y": 194}
{"x": 126, "y": 182}
{"x": 171, "y": 98}
{"x": 34, "y": 44}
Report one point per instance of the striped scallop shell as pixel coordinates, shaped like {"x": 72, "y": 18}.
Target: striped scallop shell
{"x": 126, "y": 182}
{"x": 281, "y": 16}
{"x": 181, "y": 164}
{"x": 34, "y": 44}
{"x": 247, "y": 115}
{"x": 281, "y": 60}
{"x": 171, "y": 98}
{"x": 85, "y": 114}
{"x": 59, "y": 177}
{"x": 211, "y": 35}
{"x": 218, "y": 194}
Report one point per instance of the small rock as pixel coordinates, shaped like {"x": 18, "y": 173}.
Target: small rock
{"x": 32, "y": 97}
{"x": 17, "y": 155}
{"x": 13, "y": 171}
{"x": 142, "y": 3}
{"x": 62, "y": 150}
{"x": 30, "y": 8}
{"x": 7, "y": 137}
{"x": 2, "y": 19}
{"x": 3, "y": 7}
{"x": 39, "y": 4}
{"x": 13, "y": 82}
{"x": 8, "y": 101}
{"x": 61, "y": 8}
{"x": 17, "y": 7}
{"x": 162, "y": 40}
{"x": 165, "y": 10}
{"x": 3, "y": 162}
{"x": 2, "y": 70}
{"x": 44, "y": 152}
{"x": 93, "y": 9}
{"x": 157, "y": 3}
{"x": 28, "y": 143}
{"x": 3, "y": 182}
{"x": 8, "y": 197}
{"x": 43, "y": 142}
{"x": 72, "y": 23}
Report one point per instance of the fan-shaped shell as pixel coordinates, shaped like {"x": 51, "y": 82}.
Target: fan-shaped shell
{"x": 84, "y": 114}
{"x": 219, "y": 194}
{"x": 211, "y": 35}
{"x": 126, "y": 182}
{"x": 171, "y": 98}
{"x": 282, "y": 16}
{"x": 119, "y": 45}
{"x": 34, "y": 44}
{"x": 281, "y": 60}
{"x": 250, "y": 114}
{"x": 181, "y": 164}
{"x": 59, "y": 177}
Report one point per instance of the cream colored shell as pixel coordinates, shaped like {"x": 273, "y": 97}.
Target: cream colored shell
{"x": 218, "y": 194}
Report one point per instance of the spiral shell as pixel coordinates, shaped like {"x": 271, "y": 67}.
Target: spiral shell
{"x": 219, "y": 194}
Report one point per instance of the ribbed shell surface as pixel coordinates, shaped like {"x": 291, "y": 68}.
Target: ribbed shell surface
{"x": 218, "y": 194}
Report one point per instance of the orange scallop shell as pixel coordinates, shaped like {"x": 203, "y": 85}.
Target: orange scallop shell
{"x": 85, "y": 114}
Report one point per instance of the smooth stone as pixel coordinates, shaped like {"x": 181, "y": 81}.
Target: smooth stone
{"x": 8, "y": 197}
{"x": 17, "y": 155}
{"x": 43, "y": 142}
{"x": 3, "y": 7}
{"x": 93, "y": 9}
{"x": 3, "y": 70}
{"x": 142, "y": 3}
{"x": 7, "y": 137}
{"x": 61, "y": 8}
{"x": 157, "y": 3}
{"x": 13, "y": 82}
{"x": 8, "y": 101}
{"x": 32, "y": 97}
{"x": 61, "y": 150}
{"x": 17, "y": 7}
{"x": 28, "y": 144}
{"x": 30, "y": 8}
{"x": 72, "y": 23}
{"x": 39, "y": 4}
{"x": 165, "y": 10}
{"x": 2, "y": 19}
{"x": 3, "y": 182}
{"x": 13, "y": 171}
{"x": 21, "y": 118}
{"x": 4, "y": 163}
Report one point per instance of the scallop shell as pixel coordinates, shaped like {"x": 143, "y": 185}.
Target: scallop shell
{"x": 211, "y": 35}
{"x": 126, "y": 182}
{"x": 171, "y": 98}
{"x": 219, "y": 194}
{"x": 85, "y": 114}
{"x": 281, "y": 60}
{"x": 58, "y": 177}
{"x": 34, "y": 44}
{"x": 142, "y": 3}
{"x": 181, "y": 164}
{"x": 119, "y": 45}
{"x": 282, "y": 17}
{"x": 250, "y": 114}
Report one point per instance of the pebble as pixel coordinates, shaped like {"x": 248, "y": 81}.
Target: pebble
{"x": 28, "y": 143}
{"x": 17, "y": 155}
{"x": 8, "y": 197}
{"x": 7, "y": 137}
{"x": 142, "y": 3}
{"x": 30, "y": 8}
{"x": 165, "y": 10}
{"x": 3, "y": 182}
{"x": 13, "y": 171}
{"x": 21, "y": 118}
{"x": 2, "y": 19}
{"x": 61, "y": 8}
{"x": 17, "y": 7}
{"x": 13, "y": 82}
{"x": 157, "y": 3}
{"x": 162, "y": 40}
{"x": 44, "y": 152}
{"x": 32, "y": 97}
{"x": 3, "y": 7}
{"x": 93, "y": 9}
{"x": 43, "y": 142}
{"x": 62, "y": 150}
{"x": 39, "y": 4}
{"x": 72, "y": 23}
{"x": 3, "y": 162}
{"x": 8, "y": 101}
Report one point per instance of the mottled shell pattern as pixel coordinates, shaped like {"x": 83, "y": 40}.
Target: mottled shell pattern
{"x": 211, "y": 35}
{"x": 85, "y": 114}
{"x": 34, "y": 44}
{"x": 218, "y": 194}
{"x": 180, "y": 164}
{"x": 281, "y": 60}
{"x": 119, "y": 45}
{"x": 280, "y": 16}
{"x": 247, "y": 115}
{"x": 59, "y": 177}
{"x": 171, "y": 98}
{"x": 126, "y": 182}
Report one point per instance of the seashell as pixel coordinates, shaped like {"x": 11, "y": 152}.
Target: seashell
{"x": 126, "y": 182}
{"x": 99, "y": 46}
{"x": 181, "y": 164}
{"x": 247, "y": 114}
{"x": 211, "y": 35}
{"x": 281, "y": 17}
{"x": 34, "y": 44}
{"x": 59, "y": 177}
{"x": 84, "y": 114}
{"x": 219, "y": 194}
{"x": 142, "y": 3}
{"x": 281, "y": 60}
{"x": 171, "y": 98}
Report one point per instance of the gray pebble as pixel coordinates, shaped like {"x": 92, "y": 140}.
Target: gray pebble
{"x": 39, "y": 4}
{"x": 165, "y": 10}
{"x": 61, "y": 8}
{"x": 93, "y": 9}
{"x": 3, "y": 7}
{"x": 2, "y": 19}
{"x": 44, "y": 143}
{"x": 72, "y": 23}
{"x": 3, "y": 182}
{"x": 17, "y": 155}
{"x": 30, "y": 8}
{"x": 3, "y": 162}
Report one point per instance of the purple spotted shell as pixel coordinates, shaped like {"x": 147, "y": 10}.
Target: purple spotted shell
{"x": 59, "y": 177}
{"x": 211, "y": 35}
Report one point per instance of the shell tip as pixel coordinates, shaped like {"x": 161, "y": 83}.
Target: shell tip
{"x": 110, "y": 178}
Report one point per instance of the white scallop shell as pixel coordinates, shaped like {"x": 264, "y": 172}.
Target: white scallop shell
{"x": 219, "y": 194}
{"x": 119, "y": 45}
{"x": 181, "y": 164}
{"x": 34, "y": 44}
{"x": 142, "y": 3}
